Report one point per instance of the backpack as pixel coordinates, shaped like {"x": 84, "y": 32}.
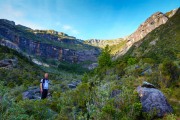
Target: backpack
{"x": 43, "y": 83}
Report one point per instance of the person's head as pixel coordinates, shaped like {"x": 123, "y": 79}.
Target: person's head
{"x": 46, "y": 75}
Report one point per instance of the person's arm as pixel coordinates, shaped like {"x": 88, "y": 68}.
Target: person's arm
{"x": 41, "y": 90}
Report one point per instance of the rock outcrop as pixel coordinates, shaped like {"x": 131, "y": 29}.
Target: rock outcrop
{"x": 153, "y": 101}
{"x": 8, "y": 63}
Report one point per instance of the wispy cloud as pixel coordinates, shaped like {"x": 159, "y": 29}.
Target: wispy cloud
{"x": 18, "y": 16}
{"x": 67, "y": 27}
{"x": 9, "y": 12}
{"x": 70, "y": 29}
{"x": 58, "y": 23}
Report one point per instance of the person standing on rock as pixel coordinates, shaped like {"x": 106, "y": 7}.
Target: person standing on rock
{"x": 44, "y": 86}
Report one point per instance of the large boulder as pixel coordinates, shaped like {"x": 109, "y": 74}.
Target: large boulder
{"x": 153, "y": 100}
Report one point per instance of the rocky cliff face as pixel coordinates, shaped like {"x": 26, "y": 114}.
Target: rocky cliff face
{"x": 145, "y": 28}
{"x": 150, "y": 24}
{"x": 46, "y": 45}
{"x": 103, "y": 43}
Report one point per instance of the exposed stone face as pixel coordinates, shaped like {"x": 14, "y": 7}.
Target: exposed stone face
{"x": 150, "y": 24}
{"x": 103, "y": 43}
{"x": 11, "y": 37}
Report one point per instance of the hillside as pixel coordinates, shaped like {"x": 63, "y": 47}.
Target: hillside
{"x": 160, "y": 44}
{"x": 16, "y": 69}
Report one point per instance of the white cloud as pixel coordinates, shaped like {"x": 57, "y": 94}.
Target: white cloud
{"x": 67, "y": 27}
{"x": 70, "y": 29}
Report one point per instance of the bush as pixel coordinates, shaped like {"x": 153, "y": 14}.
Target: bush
{"x": 104, "y": 59}
{"x": 131, "y": 61}
{"x": 171, "y": 72}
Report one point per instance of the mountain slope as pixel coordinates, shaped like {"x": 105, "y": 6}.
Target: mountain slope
{"x": 153, "y": 22}
{"x": 162, "y": 43}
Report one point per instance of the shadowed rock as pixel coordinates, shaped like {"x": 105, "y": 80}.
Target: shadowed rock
{"x": 32, "y": 93}
{"x": 8, "y": 63}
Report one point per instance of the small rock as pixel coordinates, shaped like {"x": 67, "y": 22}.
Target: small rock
{"x": 137, "y": 66}
{"x": 147, "y": 71}
{"x": 92, "y": 66}
{"x": 114, "y": 93}
{"x": 72, "y": 86}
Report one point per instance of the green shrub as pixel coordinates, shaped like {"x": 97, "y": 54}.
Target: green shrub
{"x": 104, "y": 59}
{"x": 131, "y": 61}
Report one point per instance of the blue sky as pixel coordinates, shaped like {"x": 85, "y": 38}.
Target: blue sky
{"x": 84, "y": 19}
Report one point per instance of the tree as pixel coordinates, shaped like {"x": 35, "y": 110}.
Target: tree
{"x": 105, "y": 57}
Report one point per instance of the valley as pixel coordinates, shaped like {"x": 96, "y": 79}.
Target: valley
{"x": 132, "y": 78}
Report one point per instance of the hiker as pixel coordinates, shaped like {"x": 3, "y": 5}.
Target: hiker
{"x": 44, "y": 86}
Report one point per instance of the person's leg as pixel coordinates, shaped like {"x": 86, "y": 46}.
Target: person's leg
{"x": 44, "y": 94}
